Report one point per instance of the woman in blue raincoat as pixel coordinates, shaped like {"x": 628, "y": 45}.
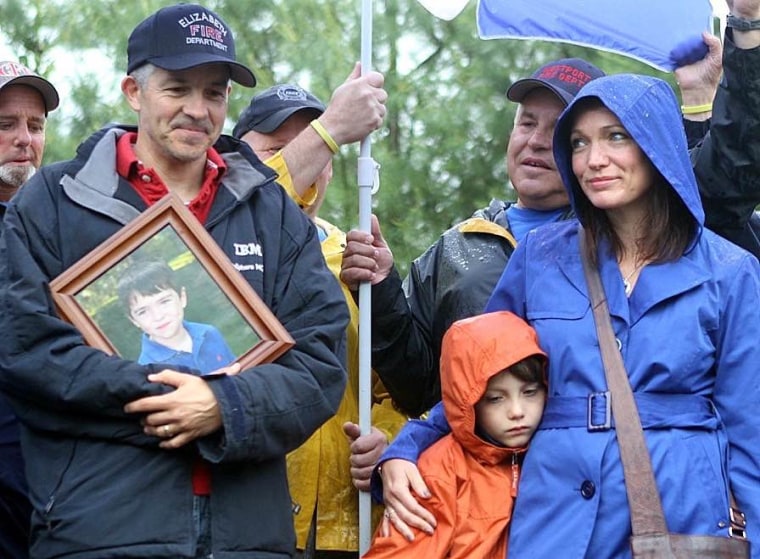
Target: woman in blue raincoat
{"x": 683, "y": 304}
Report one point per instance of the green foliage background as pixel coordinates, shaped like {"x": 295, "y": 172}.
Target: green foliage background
{"x": 441, "y": 150}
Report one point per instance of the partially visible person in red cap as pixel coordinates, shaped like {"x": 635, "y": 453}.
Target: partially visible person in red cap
{"x": 25, "y": 101}
{"x": 455, "y": 276}
{"x": 148, "y": 460}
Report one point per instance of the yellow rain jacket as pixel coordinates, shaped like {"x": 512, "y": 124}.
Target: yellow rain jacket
{"x": 319, "y": 470}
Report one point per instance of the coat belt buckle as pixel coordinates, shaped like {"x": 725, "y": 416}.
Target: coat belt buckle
{"x": 605, "y": 425}
{"x": 738, "y": 523}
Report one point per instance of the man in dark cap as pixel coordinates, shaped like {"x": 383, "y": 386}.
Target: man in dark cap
{"x": 356, "y": 108}
{"x": 325, "y": 507}
{"x": 271, "y": 122}
{"x": 25, "y": 101}
{"x": 130, "y": 460}
{"x": 455, "y": 276}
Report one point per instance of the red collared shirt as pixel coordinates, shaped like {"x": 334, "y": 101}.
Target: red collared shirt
{"x": 152, "y": 188}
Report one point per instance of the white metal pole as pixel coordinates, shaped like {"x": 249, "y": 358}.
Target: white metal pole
{"x": 366, "y": 180}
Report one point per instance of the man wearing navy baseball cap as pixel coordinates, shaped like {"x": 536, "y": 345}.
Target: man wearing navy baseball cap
{"x": 269, "y": 109}
{"x": 185, "y": 36}
{"x": 130, "y": 460}
{"x": 272, "y": 120}
{"x": 356, "y": 108}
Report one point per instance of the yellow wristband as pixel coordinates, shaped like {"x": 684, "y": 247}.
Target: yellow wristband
{"x": 325, "y": 135}
{"x": 696, "y": 109}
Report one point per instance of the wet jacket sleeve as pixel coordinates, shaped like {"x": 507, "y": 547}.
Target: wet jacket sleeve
{"x": 415, "y": 436}
{"x": 54, "y": 381}
{"x": 271, "y": 409}
{"x": 402, "y": 332}
{"x": 278, "y": 164}
{"x": 443, "y": 505}
{"x": 737, "y": 390}
{"x": 727, "y": 162}
{"x": 695, "y": 131}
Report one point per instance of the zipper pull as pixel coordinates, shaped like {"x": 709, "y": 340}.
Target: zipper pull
{"x": 515, "y": 474}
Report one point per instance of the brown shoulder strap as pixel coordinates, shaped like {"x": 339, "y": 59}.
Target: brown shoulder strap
{"x": 647, "y": 516}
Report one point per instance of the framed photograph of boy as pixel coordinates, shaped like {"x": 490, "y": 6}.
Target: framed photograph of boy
{"x": 162, "y": 291}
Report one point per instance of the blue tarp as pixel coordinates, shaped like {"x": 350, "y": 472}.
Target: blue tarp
{"x": 662, "y": 33}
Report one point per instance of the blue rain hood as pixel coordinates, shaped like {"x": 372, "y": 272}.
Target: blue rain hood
{"x": 648, "y": 109}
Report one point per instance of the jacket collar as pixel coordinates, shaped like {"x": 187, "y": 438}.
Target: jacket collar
{"x": 673, "y": 278}
{"x": 97, "y": 181}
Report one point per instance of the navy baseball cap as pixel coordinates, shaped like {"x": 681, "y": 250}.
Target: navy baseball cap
{"x": 13, "y": 73}
{"x": 183, "y": 36}
{"x": 270, "y": 108}
{"x": 564, "y": 78}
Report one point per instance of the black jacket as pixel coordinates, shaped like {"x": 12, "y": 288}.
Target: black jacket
{"x": 15, "y": 509}
{"x": 99, "y": 486}
{"x": 727, "y": 162}
{"x": 453, "y": 279}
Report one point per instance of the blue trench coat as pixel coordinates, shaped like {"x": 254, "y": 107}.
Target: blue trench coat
{"x": 690, "y": 338}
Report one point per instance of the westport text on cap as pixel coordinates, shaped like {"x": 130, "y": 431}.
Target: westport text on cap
{"x": 270, "y": 108}
{"x": 183, "y": 36}
{"x": 564, "y": 78}
{"x": 17, "y": 74}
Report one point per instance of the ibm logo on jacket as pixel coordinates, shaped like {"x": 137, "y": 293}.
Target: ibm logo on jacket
{"x": 245, "y": 251}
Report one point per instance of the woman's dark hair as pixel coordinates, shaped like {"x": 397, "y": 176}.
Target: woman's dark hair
{"x": 667, "y": 227}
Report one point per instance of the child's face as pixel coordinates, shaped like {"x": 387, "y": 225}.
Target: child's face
{"x": 510, "y": 409}
{"x": 159, "y": 315}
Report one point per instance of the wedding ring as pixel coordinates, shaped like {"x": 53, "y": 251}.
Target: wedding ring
{"x": 388, "y": 513}
{"x": 167, "y": 433}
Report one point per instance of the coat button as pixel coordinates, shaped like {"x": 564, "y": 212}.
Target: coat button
{"x": 588, "y": 489}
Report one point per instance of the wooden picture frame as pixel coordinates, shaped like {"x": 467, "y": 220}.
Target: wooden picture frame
{"x": 86, "y": 295}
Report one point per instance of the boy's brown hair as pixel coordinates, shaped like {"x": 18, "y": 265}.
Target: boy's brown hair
{"x": 530, "y": 369}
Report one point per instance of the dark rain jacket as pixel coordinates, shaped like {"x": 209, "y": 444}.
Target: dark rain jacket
{"x": 455, "y": 276}
{"x": 100, "y": 487}
{"x": 727, "y": 163}
{"x": 15, "y": 510}
{"x": 451, "y": 280}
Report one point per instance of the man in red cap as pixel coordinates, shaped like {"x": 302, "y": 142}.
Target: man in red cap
{"x": 25, "y": 101}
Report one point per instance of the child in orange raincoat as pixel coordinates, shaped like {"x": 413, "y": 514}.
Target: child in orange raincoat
{"x": 493, "y": 386}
